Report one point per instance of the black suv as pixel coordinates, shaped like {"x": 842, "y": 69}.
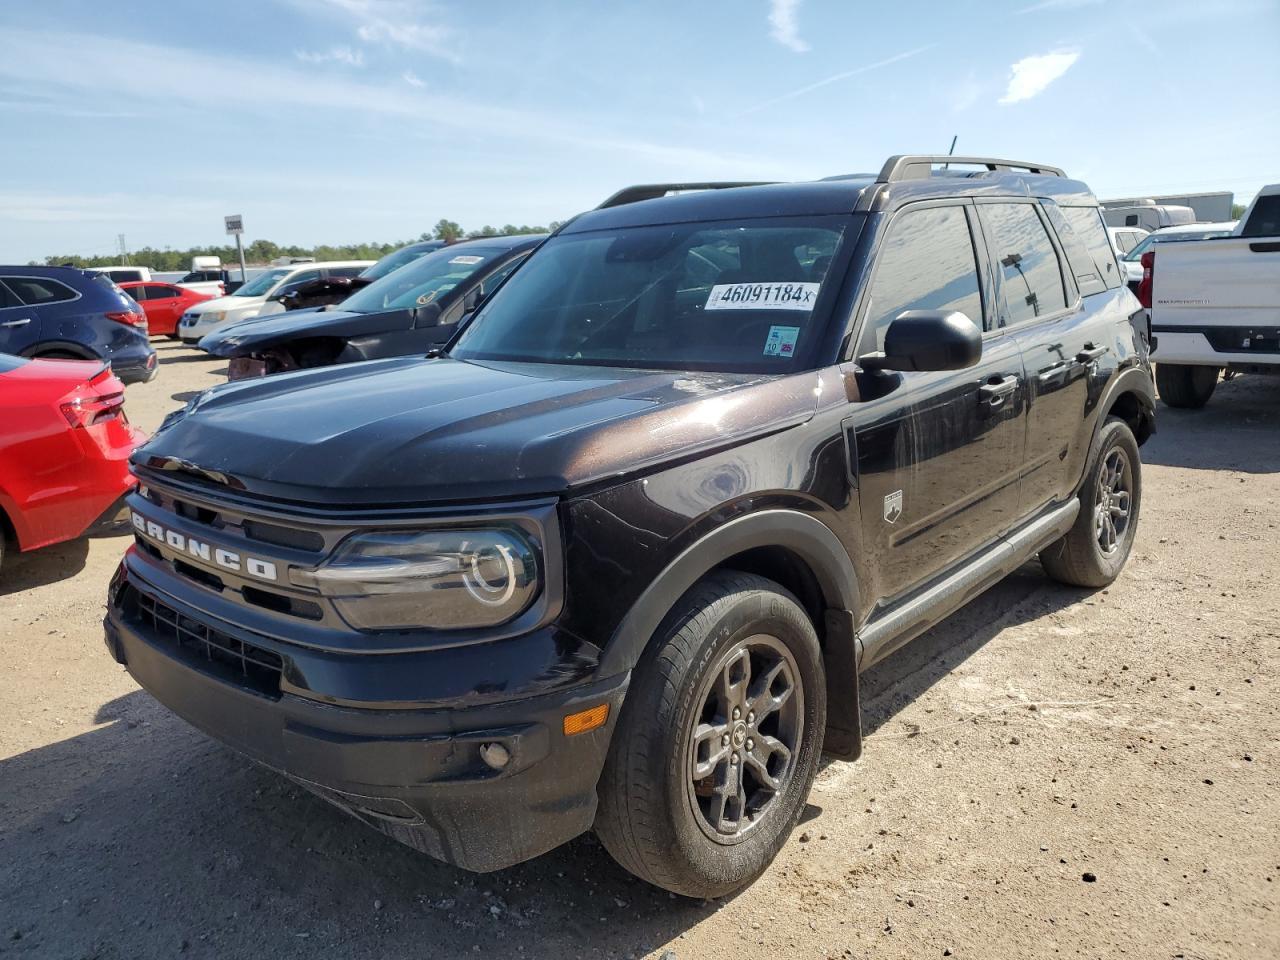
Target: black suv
{"x": 616, "y": 559}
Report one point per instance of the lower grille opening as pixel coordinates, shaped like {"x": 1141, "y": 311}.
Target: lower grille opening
{"x": 293, "y": 606}
{"x": 212, "y": 651}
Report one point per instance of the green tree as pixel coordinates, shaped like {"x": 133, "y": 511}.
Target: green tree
{"x": 448, "y": 231}
{"x": 1237, "y": 210}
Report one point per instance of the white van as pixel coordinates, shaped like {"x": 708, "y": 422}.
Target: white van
{"x": 1148, "y": 215}
{"x": 260, "y": 295}
{"x": 122, "y": 273}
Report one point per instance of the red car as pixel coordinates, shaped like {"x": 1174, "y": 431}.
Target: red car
{"x": 64, "y": 449}
{"x": 163, "y": 303}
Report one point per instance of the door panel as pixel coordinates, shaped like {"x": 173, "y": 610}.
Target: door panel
{"x": 937, "y": 462}
{"x": 936, "y": 455}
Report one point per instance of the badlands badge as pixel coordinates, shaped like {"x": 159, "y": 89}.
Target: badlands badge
{"x": 893, "y": 506}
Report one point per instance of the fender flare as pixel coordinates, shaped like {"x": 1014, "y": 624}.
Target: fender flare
{"x": 1135, "y": 380}
{"x": 820, "y": 549}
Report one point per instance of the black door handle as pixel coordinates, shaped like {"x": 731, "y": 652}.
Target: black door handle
{"x": 994, "y": 392}
{"x": 1091, "y": 353}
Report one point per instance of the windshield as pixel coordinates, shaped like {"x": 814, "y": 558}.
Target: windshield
{"x": 1153, "y": 238}
{"x": 422, "y": 281}
{"x": 737, "y": 296}
{"x": 263, "y": 282}
{"x": 394, "y": 261}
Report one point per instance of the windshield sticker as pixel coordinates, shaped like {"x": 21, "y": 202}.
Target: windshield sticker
{"x": 466, "y": 260}
{"x": 762, "y": 296}
{"x": 781, "y": 341}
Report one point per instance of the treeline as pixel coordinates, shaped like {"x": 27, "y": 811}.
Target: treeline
{"x": 264, "y": 251}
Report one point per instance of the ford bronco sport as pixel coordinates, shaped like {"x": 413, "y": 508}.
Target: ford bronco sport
{"x": 616, "y": 559}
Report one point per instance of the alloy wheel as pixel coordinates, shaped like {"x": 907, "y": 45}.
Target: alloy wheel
{"x": 742, "y": 751}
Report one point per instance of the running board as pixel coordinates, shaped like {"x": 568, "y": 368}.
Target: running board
{"x": 904, "y": 623}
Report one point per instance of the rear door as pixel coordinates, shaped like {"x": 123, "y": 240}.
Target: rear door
{"x": 936, "y": 455}
{"x": 1062, "y": 338}
{"x": 19, "y": 324}
{"x": 164, "y": 304}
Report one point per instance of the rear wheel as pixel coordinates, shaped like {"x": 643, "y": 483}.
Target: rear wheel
{"x": 1182, "y": 385}
{"x": 719, "y": 739}
{"x": 1094, "y": 550}
{"x": 58, "y": 355}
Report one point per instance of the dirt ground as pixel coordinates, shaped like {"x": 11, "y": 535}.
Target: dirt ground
{"x": 1048, "y": 772}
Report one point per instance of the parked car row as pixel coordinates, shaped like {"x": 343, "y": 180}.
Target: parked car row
{"x": 72, "y": 314}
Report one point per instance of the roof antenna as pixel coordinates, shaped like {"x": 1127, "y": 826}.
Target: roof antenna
{"x": 952, "y": 151}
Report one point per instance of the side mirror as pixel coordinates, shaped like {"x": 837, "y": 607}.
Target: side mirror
{"x": 428, "y": 315}
{"x": 927, "y": 340}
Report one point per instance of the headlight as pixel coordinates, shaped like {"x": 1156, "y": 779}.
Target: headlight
{"x": 217, "y": 316}
{"x": 435, "y": 579}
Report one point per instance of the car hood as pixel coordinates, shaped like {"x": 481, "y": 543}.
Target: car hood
{"x": 248, "y": 336}
{"x": 412, "y": 431}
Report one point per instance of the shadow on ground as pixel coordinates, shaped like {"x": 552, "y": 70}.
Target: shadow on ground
{"x": 143, "y": 838}
{"x": 1239, "y": 429}
{"x": 24, "y": 571}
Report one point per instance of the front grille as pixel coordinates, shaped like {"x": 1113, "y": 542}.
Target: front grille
{"x": 211, "y": 651}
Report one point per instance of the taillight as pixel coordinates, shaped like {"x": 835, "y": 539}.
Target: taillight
{"x": 86, "y": 411}
{"x": 129, "y": 318}
{"x": 1148, "y": 278}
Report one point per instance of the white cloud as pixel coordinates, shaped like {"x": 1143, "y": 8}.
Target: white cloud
{"x": 1031, "y": 75}
{"x": 783, "y": 25}
{"x": 412, "y": 79}
{"x": 407, "y": 24}
{"x": 352, "y": 58}
{"x": 43, "y": 63}
{"x": 792, "y": 94}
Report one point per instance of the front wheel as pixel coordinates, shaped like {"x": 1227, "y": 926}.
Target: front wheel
{"x": 718, "y": 741}
{"x": 1186, "y": 386}
{"x": 1093, "y": 552}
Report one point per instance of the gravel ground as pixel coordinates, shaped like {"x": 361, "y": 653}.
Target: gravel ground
{"x": 1049, "y": 771}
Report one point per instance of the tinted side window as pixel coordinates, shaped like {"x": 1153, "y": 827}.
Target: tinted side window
{"x": 1089, "y": 276}
{"x": 36, "y": 290}
{"x": 8, "y": 298}
{"x": 346, "y": 271}
{"x": 1031, "y": 278}
{"x": 492, "y": 282}
{"x": 158, "y": 291}
{"x": 299, "y": 281}
{"x": 926, "y": 262}
{"x": 1264, "y": 219}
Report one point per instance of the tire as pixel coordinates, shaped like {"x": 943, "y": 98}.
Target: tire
{"x": 1082, "y": 556}
{"x": 652, "y": 817}
{"x": 58, "y": 355}
{"x": 1184, "y": 386}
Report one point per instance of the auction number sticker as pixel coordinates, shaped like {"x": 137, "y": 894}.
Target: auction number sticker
{"x": 762, "y": 296}
{"x": 467, "y": 260}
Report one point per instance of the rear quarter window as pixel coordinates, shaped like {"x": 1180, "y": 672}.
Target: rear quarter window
{"x": 1264, "y": 218}
{"x": 34, "y": 291}
{"x": 1086, "y": 223}
{"x": 1088, "y": 278}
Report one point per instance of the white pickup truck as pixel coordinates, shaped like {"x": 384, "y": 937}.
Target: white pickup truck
{"x": 1215, "y": 305}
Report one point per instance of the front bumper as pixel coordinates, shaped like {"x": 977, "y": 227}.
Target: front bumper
{"x": 413, "y": 771}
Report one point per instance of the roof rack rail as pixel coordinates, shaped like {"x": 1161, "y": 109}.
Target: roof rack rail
{"x": 913, "y": 166}
{"x": 651, "y": 191}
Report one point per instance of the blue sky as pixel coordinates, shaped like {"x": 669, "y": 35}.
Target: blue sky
{"x": 345, "y": 120}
